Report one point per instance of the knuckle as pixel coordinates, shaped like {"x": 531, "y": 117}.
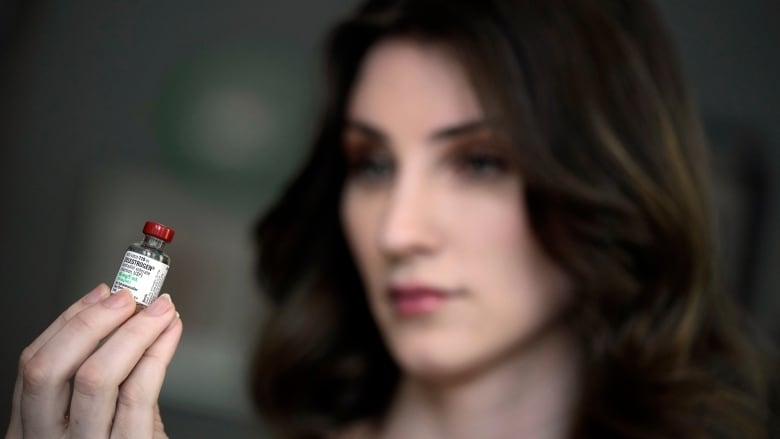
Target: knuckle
{"x": 81, "y": 324}
{"x": 156, "y": 358}
{"x": 27, "y": 354}
{"x": 136, "y": 332}
{"x": 36, "y": 375}
{"x": 68, "y": 315}
{"x": 90, "y": 380}
{"x": 133, "y": 394}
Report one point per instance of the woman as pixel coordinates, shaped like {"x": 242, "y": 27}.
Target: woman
{"x": 503, "y": 231}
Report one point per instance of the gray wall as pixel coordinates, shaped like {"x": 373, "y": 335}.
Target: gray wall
{"x": 90, "y": 90}
{"x": 731, "y": 51}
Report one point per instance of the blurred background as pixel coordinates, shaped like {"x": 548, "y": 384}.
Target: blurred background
{"x": 194, "y": 113}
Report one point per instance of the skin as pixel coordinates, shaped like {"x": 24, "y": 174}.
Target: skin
{"x": 433, "y": 198}
{"x": 72, "y": 386}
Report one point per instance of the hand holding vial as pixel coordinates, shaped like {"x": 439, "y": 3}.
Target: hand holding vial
{"x": 68, "y": 388}
{"x": 97, "y": 370}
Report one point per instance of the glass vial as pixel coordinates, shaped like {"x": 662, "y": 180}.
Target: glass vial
{"x": 144, "y": 266}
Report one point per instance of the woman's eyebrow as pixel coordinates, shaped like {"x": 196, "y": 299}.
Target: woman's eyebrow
{"x": 462, "y": 129}
{"x": 367, "y": 130}
{"x": 446, "y": 133}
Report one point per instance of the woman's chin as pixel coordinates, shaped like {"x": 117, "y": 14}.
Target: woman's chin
{"x": 433, "y": 364}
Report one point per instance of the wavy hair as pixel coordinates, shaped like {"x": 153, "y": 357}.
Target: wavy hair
{"x": 613, "y": 160}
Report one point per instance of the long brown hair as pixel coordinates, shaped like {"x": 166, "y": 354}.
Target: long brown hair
{"x": 613, "y": 160}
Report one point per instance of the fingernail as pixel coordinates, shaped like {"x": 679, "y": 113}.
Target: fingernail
{"x": 118, "y": 299}
{"x": 160, "y": 306}
{"x": 173, "y": 322}
{"x": 95, "y": 295}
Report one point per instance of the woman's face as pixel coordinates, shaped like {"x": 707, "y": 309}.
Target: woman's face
{"x": 434, "y": 213}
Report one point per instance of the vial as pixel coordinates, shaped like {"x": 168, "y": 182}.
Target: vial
{"x": 144, "y": 266}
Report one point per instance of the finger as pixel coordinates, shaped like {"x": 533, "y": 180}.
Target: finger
{"x": 137, "y": 413}
{"x": 46, "y": 376}
{"x": 15, "y": 423}
{"x": 99, "y": 293}
{"x": 96, "y": 384}
{"x": 159, "y": 428}
{"x": 91, "y": 298}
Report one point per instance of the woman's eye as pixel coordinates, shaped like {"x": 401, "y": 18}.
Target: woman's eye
{"x": 482, "y": 165}
{"x": 371, "y": 168}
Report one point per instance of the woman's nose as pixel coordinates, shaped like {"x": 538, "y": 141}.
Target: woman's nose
{"x": 408, "y": 225}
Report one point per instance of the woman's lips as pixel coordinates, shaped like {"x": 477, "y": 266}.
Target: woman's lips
{"x": 417, "y": 300}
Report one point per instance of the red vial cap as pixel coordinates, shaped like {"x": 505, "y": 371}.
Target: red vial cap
{"x": 158, "y": 231}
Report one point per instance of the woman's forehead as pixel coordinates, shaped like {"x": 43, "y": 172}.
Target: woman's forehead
{"x": 414, "y": 83}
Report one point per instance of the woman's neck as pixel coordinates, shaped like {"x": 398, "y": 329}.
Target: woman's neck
{"x": 531, "y": 395}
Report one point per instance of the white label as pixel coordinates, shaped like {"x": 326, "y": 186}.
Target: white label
{"x": 142, "y": 275}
